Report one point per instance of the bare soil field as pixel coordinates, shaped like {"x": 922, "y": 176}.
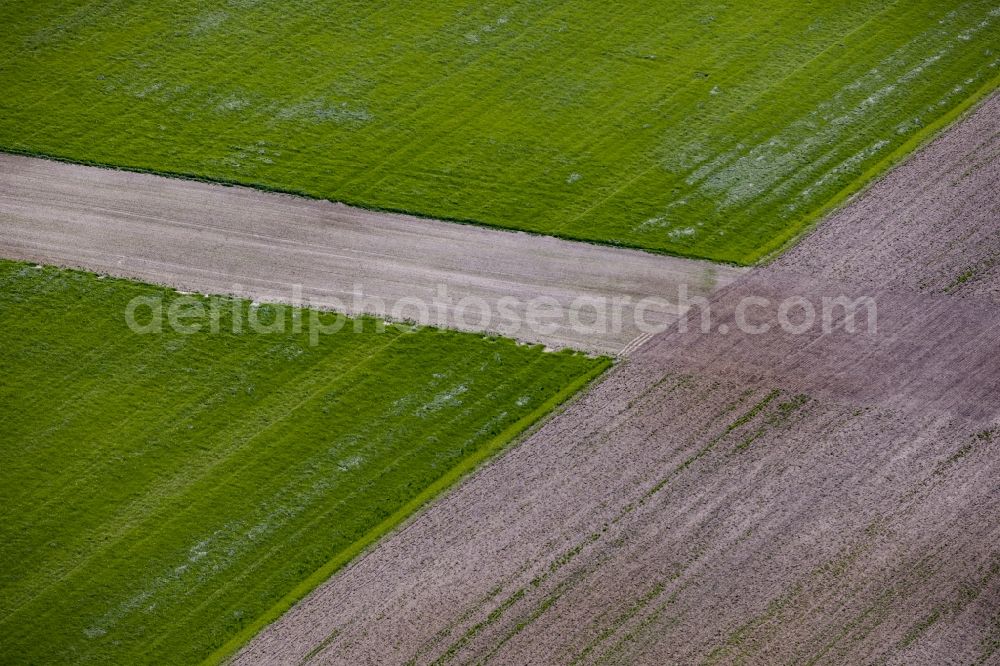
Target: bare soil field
{"x": 233, "y": 240}
{"x": 731, "y": 497}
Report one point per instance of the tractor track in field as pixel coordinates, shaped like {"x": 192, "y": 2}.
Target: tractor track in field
{"x": 721, "y": 498}
{"x": 260, "y": 245}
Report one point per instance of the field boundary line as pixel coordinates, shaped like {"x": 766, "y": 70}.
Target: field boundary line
{"x": 358, "y": 204}
{"x": 877, "y": 172}
{"x": 405, "y": 512}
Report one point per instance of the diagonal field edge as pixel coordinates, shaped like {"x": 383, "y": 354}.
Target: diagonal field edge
{"x": 354, "y": 552}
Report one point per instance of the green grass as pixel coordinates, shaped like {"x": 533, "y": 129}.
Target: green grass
{"x": 165, "y": 495}
{"x": 710, "y": 129}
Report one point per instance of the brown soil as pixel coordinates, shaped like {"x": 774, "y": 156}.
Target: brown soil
{"x": 726, "y": 498}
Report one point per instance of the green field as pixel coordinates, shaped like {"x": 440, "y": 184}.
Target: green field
{"x": 710, "y": 129}
{"x": 161, "y": 493}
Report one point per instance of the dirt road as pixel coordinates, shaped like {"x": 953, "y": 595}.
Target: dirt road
{"x": 232, "y": 240}
{"x": 734, "y": 496}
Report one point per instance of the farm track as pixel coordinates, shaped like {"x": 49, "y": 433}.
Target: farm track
{"x": 232, "y": 240}
{"x": 766, "y": 498}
